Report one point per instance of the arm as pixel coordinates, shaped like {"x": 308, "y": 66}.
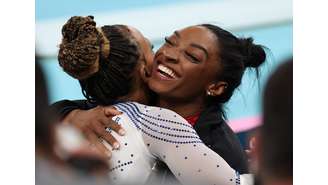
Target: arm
{"x": 170, "y": 138}
{"x": 91, "y": 120}
{"x": 64, "y": 107}
{"x": 197, "y": 164}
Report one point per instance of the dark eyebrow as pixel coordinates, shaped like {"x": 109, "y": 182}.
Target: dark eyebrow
{"x": 177, "y": 34}
{"x": 200, "y": 47}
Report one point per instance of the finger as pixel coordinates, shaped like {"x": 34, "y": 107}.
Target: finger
{"x": 111, "y": 140}
{"x": 107, "y": 136}
{"x": 111, "y": 111}
{"x": 101, "y": 148}
{"x": 94, "y": 140}
{"x": 114, "y": 126}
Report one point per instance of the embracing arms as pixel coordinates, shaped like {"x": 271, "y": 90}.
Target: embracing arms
{"x": 91, "y": 120}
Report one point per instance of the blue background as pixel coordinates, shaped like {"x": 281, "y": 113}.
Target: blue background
{"x": 246, "y": 101}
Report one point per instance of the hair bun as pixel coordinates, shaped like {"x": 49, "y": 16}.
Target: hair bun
{"x": 80, "y": 47}
{"x": 254, "y": 54}
{"x": 78, "y": 26}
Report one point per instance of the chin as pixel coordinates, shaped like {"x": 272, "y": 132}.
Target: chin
{"x": 157, "y": 87}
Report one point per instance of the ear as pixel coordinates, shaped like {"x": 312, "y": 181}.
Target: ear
{"x": 143, "y": 72}
{"x": 217, "y": 88}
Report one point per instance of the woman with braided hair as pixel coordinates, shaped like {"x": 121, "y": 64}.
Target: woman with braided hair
{"x": 197, "y": 68}
{"x": 102, "y": 58}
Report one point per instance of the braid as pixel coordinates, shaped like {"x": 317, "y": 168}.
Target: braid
{"x": 102, "y": 59}
{"x": 114, "y": 78}
{"x": 80, "y": 47}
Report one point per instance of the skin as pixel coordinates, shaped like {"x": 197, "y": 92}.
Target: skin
{"x": 192, "y": 53}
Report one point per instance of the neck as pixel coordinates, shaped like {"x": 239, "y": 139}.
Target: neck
{"x": 183, "y": 108}
{"x": 140, "y": 93}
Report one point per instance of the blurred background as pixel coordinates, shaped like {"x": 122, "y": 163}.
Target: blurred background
{"x": 269, "y": 22}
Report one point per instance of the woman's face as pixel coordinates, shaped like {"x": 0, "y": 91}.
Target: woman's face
{"x": 186, "y": 64}
{"x": 146, "y": 50}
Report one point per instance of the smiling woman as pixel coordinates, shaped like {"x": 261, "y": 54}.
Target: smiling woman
{"x": 185, "y": 56}
{"x": 202, "y": 63}
{"x": 195, "y": 72}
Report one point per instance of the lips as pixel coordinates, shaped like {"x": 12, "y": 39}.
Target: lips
{"x": 166, "y": 71}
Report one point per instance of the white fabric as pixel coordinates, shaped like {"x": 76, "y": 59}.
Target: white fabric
{"x": 154, "y": 133}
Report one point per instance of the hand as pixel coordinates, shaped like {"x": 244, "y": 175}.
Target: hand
{"x": 93, "y": 124}
{"x": 72, "y": 148}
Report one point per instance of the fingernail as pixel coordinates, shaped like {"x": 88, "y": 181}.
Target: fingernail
{"x": 121, "y": 132}
{"x": 116, "y": 145}
{"x": 109, "y": 154}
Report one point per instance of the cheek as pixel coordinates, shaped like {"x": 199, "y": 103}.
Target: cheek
{"x": 195, "y": 78}
{"x": 149, "y": 63}
{"x": 196, "y": 72}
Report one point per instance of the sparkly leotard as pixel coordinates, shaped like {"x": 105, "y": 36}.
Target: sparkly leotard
{"x": 154, "y": 133}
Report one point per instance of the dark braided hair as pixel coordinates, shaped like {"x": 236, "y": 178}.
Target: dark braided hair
{"x": 235, "y": 55}
{"x": 103, "y": 77}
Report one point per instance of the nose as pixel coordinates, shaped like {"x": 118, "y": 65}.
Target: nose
{"x": 171, "y": 55}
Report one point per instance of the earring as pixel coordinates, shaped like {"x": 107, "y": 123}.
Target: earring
{"x": 209, "y": 93}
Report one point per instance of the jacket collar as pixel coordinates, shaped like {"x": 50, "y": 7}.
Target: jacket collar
{"x": 209, "y": 116}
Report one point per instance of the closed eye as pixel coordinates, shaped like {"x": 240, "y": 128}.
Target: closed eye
{"x": 168, "y": 41}
{"x": 193, "y": 58}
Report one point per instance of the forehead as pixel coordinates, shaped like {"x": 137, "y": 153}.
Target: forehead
{"x": 198, "y": 34}
{"x": 205, "y": 38}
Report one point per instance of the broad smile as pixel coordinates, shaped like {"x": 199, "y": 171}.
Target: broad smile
{"x": 165, "y": 72}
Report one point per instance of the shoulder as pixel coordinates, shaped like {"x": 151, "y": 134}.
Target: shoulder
{"x": 217, "y": 134}
{"x": 153, "y": 112}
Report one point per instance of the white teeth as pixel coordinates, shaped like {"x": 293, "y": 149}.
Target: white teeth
{"x": 166, "y": 70}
